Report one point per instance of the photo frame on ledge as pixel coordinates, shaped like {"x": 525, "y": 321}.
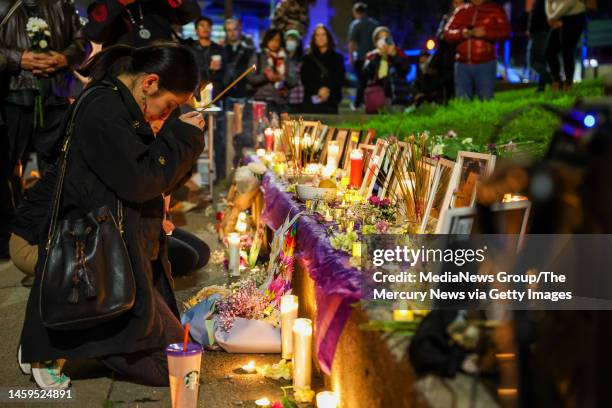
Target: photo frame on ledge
{"x": 373, "y": 168}
{"x": 508, "y": 218}
{"x": 441, "y": 181}
{"x": 469, "y": 169}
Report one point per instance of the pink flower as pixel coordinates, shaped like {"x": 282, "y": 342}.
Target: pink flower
{"x": 277, "y": 404}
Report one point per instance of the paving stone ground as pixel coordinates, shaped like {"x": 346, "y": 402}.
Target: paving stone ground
{"x": 222, "y": 383}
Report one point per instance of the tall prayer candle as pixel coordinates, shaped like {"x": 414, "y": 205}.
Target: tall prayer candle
{"x": 233, "y": 239}
{"x": 269, "y": 139}
{"x": 333, "y": 150}
{"x": 289, "y": 312}
{"x": 356, "y": 168}
{"x": 302, "y": 359}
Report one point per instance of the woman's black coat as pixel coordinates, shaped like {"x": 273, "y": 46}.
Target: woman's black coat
{"x": 322, "y": 70}
{"x": 115, "y": 155}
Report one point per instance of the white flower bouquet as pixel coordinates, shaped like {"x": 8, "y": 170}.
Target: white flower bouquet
{"x": 40, "y": 41}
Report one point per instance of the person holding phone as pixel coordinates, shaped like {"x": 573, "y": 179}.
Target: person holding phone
{"x": 386, "y": 68}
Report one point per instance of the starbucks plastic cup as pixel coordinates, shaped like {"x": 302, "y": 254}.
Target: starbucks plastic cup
{"x": 184, "y": 371}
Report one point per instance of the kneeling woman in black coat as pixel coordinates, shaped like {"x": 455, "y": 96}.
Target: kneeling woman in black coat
{"x": 115, "y": 156}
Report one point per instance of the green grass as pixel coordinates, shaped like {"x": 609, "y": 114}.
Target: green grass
{"x": 477, "y": 120}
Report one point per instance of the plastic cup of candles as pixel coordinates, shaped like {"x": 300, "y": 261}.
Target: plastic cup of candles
{"x": 184, "y": 369}
{"x": 302, "y": 349}
{"x": 327, "y": 399}
{"x": 289, "y": 312}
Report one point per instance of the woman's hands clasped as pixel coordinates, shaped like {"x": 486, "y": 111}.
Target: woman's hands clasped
{"x": 194, "y": 119}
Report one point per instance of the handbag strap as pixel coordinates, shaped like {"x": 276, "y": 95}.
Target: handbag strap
{"x": 63, "y": 164}
{"x": 322, "y": 68}
{"x": 11, "y": 11}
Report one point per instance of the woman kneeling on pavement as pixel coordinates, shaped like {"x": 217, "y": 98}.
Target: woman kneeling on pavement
{"x": 115, "y": 156}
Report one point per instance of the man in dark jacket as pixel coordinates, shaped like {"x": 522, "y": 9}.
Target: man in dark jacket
{"x": 137, "y": 22}
{"x": 238, "y": 54}
{"x": 210, "y": 57}
{"x": 538, "y": 31}
{"x": 31, "y": 76}
{"x": 476, "y": 28}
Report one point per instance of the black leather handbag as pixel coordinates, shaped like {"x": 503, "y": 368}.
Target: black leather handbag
{"x": 87, "y": 277}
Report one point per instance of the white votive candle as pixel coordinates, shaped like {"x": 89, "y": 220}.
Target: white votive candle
{"x": 289, "y": 312}
{"x": 302, "y": 359}
{"x": 233, "y": 240}
{"x": 327, "y": 399}
{"x": 333, "y": 150}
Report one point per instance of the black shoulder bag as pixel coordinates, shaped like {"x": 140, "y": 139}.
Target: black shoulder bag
{"x": 87, "y": 278}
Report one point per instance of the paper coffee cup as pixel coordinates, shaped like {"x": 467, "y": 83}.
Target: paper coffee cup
{"x": 216, "y": 58}
{"x": 184, "y": 371}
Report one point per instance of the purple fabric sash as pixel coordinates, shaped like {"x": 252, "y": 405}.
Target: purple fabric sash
{"x": 337, "y": 283}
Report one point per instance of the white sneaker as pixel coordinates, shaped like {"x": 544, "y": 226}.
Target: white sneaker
{"x": 49, "y": 375}
{"x": 26, "y": 368}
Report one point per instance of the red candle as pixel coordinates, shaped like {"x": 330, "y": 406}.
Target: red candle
{"x": 356, "y": 168}
{"x": 269, "y": 139}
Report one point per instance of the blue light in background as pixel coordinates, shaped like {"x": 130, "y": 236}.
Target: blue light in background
{"x": 589, "y": 121}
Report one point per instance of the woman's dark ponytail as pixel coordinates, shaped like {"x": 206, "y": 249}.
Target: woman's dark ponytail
{"x": 174, "y": 64}
{"x": 113, "y": 60}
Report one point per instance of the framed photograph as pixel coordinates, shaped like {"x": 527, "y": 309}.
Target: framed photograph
{"x": 433, "y": 208}
{"x": 469, "y": 169}
{"x": 368, "y": 151}
{"x": 397, "y": 155}
{"x": 329, "y": 135}
{"x": 341, "y": 138}
{"x": 352, "y": 144}
{"x": 508, "y": 218}
{"x": 373, "y": 168}
{"x": 457, "y": 221}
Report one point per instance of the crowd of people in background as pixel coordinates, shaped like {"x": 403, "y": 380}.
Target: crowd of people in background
{"x": 294, "y": 73}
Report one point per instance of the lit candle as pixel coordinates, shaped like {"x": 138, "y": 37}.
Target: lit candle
{"x": 312, "y": 168}
{"x": 249, "y": 368}
{"x": 357, "y": 249}
{"x": 327, "y": 399}
{"x": 206, "y": 95}
{"x": 241, "y": 226}
{"x": 302, "y": 359}
{"x": 263, "y": 402}
{"x": 356, "y": 168}
{"x": 242, "y": 216}
{"x": 307, "y": 140}
{"x": 289, "y": 312}
{"x": 403, "y": 315}
{"x": 233, "y": 239}
{"x": 333, "y": 150}
{"x": 261, "y": 153}
{"x": 269, "y": 139}
{"x": 327, "y": 171}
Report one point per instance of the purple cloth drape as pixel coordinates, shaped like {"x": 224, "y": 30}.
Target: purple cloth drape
{"x": 337, "y": 283}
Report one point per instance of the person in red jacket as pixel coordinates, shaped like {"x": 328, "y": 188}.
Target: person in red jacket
{"x": 476, "y": 27}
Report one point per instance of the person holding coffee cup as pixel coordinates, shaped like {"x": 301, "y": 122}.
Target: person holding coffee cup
{"x": 209, "y": 55}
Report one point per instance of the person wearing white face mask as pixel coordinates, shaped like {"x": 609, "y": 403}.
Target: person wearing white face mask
{"x": 386, "y": 68}
{"x": 293, "y": 45}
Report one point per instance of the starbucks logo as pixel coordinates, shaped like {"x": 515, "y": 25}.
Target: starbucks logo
{"x": 192, "y": 379}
